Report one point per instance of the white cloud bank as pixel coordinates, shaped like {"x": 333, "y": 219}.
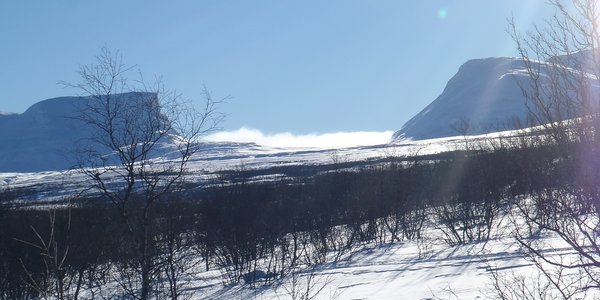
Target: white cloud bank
{"x": 286, "y": 139}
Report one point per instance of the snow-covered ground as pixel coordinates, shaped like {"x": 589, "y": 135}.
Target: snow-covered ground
{"x": 394, "y": 271}
{"x": 218, "y": 157}
{"x": 428, "y": 269}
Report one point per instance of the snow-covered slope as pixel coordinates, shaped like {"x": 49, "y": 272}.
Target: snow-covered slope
{"x": 483, "y": 92}
{"x": 215, "y": 158}
{"x": 486, "y": 96}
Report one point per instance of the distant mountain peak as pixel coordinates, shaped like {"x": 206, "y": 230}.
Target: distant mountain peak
{"x": 46, "y": 135}
{"x": 483, "y": 93}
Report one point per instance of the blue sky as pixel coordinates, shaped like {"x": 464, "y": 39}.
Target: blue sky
{"x": 289, "y": 66}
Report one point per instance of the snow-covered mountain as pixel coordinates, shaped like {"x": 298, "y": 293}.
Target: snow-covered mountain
{"x": 39, "y": 138}
{"x": 46, "y": 135}
{"x": 484, "y": 96}
{"x": 483, "y": 93}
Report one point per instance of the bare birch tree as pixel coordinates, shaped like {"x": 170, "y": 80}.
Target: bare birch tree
{"x": 143, "y": 136}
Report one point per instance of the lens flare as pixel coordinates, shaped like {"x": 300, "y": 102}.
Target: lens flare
{"x": 442, "y": 13}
